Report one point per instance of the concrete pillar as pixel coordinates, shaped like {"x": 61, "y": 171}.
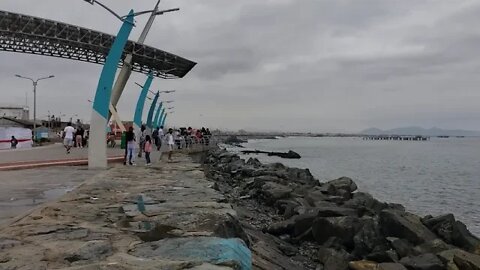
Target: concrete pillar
{"x": 97, "y": 150}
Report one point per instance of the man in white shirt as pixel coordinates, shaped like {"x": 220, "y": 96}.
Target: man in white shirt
{"x": 68, "y": 133}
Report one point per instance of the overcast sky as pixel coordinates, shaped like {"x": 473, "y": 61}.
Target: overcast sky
{"x": 307, "y": 65}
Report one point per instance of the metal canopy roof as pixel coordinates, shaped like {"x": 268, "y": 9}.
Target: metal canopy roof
{"x": 26, "y": 34}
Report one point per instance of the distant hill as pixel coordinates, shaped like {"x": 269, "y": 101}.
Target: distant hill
{"x": 420, "y": 131}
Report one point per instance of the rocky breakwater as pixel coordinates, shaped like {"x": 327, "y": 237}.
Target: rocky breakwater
{"x": 303, "y": 224}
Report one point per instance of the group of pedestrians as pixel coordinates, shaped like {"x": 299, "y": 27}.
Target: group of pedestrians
{"x": 74, "y": 137}
{"x": 146, "y": 144}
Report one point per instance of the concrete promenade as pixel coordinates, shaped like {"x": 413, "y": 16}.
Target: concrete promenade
{"x": 51, "y": 155}
{"x": 166, "y": 216}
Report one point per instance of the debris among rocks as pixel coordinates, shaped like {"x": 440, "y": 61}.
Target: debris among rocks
{"x": 290, "y": 154}
{"x": 233, "y": 140}
{"x": 330, "y": 226}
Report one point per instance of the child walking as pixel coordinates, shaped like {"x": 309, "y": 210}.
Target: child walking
{"x": 148, "y": 149}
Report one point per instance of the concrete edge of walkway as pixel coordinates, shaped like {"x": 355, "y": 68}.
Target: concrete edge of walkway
{"x": 49, "y": 163}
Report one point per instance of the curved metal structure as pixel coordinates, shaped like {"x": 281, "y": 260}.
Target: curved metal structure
{"x": 26, "y": 34}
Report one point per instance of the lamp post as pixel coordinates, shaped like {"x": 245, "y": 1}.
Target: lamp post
{"x": 35, "y": 82}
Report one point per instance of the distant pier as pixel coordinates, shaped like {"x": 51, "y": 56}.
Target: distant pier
{"x": 395, "y": 138}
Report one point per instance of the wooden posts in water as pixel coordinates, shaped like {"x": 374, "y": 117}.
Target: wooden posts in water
{"x": 396, "y": 138}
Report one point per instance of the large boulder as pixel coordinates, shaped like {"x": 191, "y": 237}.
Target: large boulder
{"x": 433, "y": 246}
{"x": 282, "y": 227}
{"x": 343, "y": 183}
{"x": 447, "y": 258}
{"x": 342, "y": 228}
{"x": 334, "y": 259}
{"x": 405, "y": 225}
{"x": 383, "y": 256}
{"x": 365, "y": 202}
{"x": 426, "y": 261}
{"x": 362, "y": 265}
{"x": 390, "y": 266}
{"x": 401, "y": 246}
{"x": 462, "y": 237}
{"x": 367, "y": 238}
{"x": 461, "y": 259}
{"x": 254, "y": 162}
{"x": 272, "y": 192}
{"x": 441, "y": 225}
{"x": 303, "y": 176}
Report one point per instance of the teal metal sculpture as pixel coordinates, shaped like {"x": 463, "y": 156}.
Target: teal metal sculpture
{"x": 97, "y": 150}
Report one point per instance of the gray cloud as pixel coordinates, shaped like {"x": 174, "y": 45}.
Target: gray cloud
{"x": 282, "y": 64}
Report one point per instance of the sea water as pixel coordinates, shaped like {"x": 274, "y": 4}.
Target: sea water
{"x": 434, "y": 177}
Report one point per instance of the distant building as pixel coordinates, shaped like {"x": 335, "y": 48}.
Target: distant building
{"x": 15, "y": 112}
{"x": 18, "y": 123}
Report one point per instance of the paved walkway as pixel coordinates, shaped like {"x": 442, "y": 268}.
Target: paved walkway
{"x": 166, "y": 216}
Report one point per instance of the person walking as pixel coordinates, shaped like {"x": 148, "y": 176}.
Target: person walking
{"x": 13, "y": 142}
{"x": 142, "y": 140}
{"x": 68, "y": 137}
{"x": 155, "y": 136}
{"x": 148, "y": 149}
{"x": 170, "y": 143}
{"x": 79, "y": 137}
{"x": 131, "y": 141}
{"x": 161, "y": 135}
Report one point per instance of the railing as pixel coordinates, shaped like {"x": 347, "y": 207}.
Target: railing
{"x": 191, "y": 143}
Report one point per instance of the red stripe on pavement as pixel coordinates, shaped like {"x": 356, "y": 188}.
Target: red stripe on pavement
{"x": 38, "y": 164}
{"x": 19, "y": 140}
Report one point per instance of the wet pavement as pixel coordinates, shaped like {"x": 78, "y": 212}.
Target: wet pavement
{"x": 23, "y": 190}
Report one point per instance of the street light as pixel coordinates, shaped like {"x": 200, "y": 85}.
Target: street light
{"x": 154, "y": 12}
{"x": 35, "y": 82}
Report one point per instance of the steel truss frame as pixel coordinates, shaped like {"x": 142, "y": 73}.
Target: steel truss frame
{"x": 26, "y": 34}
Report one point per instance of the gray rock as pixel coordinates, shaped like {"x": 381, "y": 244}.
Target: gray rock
{"x": 314, "y": 196}
{"x": 273, "y": 192}
{"x": 441, "y": 225}
{"x": 254, "y": 162}
{"x": 401, "y": 246}
{"x": 334, "y": 259}
{"x": 335, "y": 211}
{"x": 362, "y": 200}
{"x": 282, "y": 227}
{"x": 467, "y": 261}
{"x": 405, "y": 225}
{"x": 344, "y": 228}
{"x": 434, "y": 246}
{"x": 463, "y": 238}
{"x": 303, "y": 176}
{"x": 367, "y": 238}
{"x": 344, "y": 183}
{"x": 391, "y": 266}
{"x": 303, "y": 223}
{"x": 447, "y": 258}
{"x": 423, "y": 262}
{"x": 383, "y": 256}
{"x": 328, "y": 189}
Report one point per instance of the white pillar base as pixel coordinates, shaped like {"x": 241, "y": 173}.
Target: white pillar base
{"x": 97, "y": 144}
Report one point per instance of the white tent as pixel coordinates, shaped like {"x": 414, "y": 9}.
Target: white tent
{"x": 23, "y": 136}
